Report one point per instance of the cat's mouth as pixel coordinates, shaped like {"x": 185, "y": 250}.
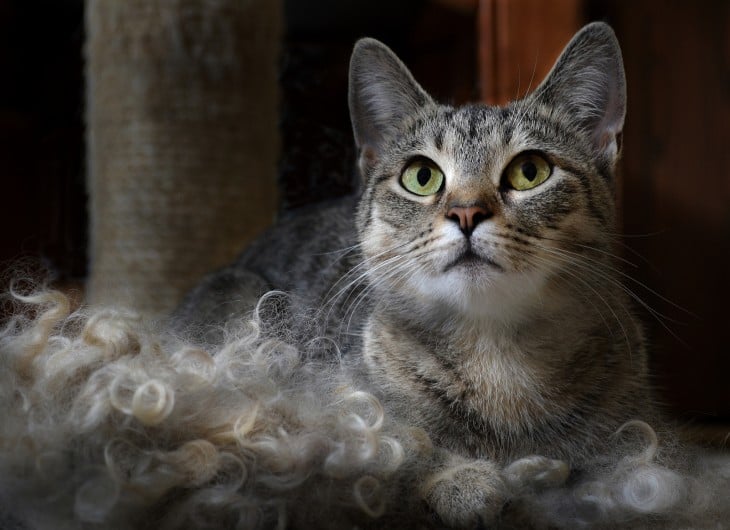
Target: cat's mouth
{"x": 471, "y": 260}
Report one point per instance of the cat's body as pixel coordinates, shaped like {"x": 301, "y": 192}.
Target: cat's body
{"x": 478, "y": 297}
{"x": 323, "y": 257}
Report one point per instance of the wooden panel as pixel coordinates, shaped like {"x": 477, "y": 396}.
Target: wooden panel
{"x": 519, "y": 40}
{"x": 676, "y": 192}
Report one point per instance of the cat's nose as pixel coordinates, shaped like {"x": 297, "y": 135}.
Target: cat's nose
{"x": 468, "y": 217}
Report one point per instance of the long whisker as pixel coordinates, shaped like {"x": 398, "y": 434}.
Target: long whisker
{"x": 522, "y": 116}
{"x": 364, "y": 263}
{"x": 409, "y": 260}
{"x": 532, "y": 76}
{"x": 395, "y": 275}
{"x": 374, "y": 281}
{"x": 531, "y": 240}
{"x": 605, "y": 302}
{"x": 330, "y": 302}
{"x": 589, "y": 247}
{"x": 636, "y": 253}
{"x": 636, "y": 236}
{"x": 341, "y": 251}
{"x": 619, "y": 272}
{"x": 578, "y": 261}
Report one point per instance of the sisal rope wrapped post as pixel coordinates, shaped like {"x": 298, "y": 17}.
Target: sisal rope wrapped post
{"x": 182, "y": 141}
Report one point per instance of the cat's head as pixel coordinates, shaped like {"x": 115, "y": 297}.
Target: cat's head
{"x": 483, "y": 207}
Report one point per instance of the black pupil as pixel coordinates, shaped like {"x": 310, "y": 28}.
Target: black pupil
{"x": 529, "y": 171}
{"x": 423, "y": 176}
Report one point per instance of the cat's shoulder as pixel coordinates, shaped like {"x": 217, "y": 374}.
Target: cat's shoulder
{"x": 302, "y": 242}
{"x": 300, "y": 231}
{"x": 302, "y": 253}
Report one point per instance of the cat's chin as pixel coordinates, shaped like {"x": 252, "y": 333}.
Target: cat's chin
{"x": 480, "y": 289}
{"x": 473, "y": 264}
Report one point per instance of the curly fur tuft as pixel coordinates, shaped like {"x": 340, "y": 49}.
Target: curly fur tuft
{"x": 110, "y": 421}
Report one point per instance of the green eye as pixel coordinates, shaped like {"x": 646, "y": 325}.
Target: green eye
{"x": 528, "y": 171}
{"x": 422, "y": 177}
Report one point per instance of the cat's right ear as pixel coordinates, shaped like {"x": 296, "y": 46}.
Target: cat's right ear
{"x": 382, "y": 94}
{"x": 588, "y": 85}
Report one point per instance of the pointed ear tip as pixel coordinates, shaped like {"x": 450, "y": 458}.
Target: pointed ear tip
{"x": 600, "y": 31}
{"x": 598, "y": 27}
{"x": 368, "y": 41}
{"x": 367, "y": 44}
{"x": 364, "y": 52}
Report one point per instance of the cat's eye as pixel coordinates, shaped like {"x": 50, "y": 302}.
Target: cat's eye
{"x": 422, "y": 177}
{"x": 527, "y": 171}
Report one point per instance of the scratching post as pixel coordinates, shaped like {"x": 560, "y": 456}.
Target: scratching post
{"x": 182, "y": 141}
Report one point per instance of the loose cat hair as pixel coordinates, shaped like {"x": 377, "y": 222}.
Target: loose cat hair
{"x": 111, "y": 422}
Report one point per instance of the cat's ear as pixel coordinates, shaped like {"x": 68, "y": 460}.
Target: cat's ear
{"x": 588, "y": 84}
{"x": 382, "y": 94}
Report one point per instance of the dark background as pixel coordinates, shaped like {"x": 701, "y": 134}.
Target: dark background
{"x": 675, "y": 189}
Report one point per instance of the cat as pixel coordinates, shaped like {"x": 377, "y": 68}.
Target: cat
{"x": 472, "y": 285}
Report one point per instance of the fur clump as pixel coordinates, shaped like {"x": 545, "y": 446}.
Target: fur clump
{"x": 109, "y": 421}
{"x": 639, "y": 492}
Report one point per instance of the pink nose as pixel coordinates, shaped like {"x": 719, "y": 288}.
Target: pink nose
{"x": 468, "y": 217}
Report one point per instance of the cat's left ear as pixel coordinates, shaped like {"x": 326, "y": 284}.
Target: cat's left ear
{"x": 588, "y": 84}
{"x": 382, "y": 95}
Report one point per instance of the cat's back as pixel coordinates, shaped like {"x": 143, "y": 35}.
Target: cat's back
{"x": 305, "y": 254}
{"x": 306, "y": 248}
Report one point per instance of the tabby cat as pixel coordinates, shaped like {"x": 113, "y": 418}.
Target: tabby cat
{"x": 472, "y": 284}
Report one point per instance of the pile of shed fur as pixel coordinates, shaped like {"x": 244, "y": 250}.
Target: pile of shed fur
{"x": 108, "y": 420}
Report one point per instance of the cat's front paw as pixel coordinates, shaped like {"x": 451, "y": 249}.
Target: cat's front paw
{"x": 535, "y": 473}
{"x": 466, "y": 494}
